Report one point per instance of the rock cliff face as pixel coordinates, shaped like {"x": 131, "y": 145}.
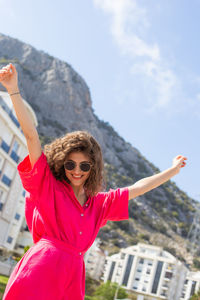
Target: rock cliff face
{"x": 62, "y": 102}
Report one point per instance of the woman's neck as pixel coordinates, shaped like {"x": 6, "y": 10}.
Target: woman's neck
{"x": 78, "y": 191}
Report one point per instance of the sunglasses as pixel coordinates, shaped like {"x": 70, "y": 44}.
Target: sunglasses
{"x": 71, "y": 165}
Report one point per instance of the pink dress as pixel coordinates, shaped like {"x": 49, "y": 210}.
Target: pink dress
{"x": 62, "y": 230}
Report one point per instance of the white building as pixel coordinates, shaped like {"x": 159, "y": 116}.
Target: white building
{"x": 94, "y": 260}
{"x": 191, "y": 285}
{"x": 12, "y": 151}
{"x": 147, "y": 271}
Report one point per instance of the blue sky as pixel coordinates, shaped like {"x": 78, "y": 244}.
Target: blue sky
{"x": 140, "y": 60}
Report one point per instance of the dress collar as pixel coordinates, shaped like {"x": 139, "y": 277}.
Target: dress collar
{"x": 71, "y": 192}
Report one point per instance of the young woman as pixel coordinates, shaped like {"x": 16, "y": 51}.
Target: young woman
{"x": 65, "y": 206}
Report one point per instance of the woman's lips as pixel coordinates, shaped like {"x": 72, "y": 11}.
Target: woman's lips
{"x": 77, "y": 177}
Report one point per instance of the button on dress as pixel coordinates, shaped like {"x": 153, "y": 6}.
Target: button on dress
{"x": 62, "y": 231}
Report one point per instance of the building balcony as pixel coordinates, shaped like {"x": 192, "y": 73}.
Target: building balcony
{"x": 163, "y": 296}
{"x": 166, "y": 279}
{"x": 165, "y": 287}
{"x": 170, "y": 270}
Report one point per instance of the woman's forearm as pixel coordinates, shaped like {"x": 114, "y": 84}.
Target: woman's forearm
{"x": 23, "y": 115}
{"x": 148, "y": 183}
{"x": 9, "y": 79}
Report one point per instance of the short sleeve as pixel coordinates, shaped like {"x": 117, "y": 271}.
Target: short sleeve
{"x": 115, "y": 205}
{"x": 32, "y": 178}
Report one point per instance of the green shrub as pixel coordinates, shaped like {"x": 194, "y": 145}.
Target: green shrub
{"x": 3, "y": 282}
{"x": 144, "y": 236}
{"x": 196, "y": 296}
{"x": 196, "y": 263}
{"x": 170, "y": 250}
{"x": 175, "y": 214}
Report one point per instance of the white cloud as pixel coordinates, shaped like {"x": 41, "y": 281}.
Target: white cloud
{"x": 129, "y": 25}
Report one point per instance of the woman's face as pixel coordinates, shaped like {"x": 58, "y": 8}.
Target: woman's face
{"x": 77, "y": 177}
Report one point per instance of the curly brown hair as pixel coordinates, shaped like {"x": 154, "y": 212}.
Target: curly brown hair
{"x": 58, "y": 150}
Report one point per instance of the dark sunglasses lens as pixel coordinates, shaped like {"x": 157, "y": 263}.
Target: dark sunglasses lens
{"x": 85, "y": 167}
{"x": 69, "y": 165}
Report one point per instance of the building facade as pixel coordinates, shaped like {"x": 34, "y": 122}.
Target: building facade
{"x": 191, "y": 285}
{"x": 147, "y": 271}
{"x": 94, "y": 260}
{"x": 14, "y": 234}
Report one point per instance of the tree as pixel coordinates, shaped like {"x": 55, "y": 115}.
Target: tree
{"x": 106, "y": 291}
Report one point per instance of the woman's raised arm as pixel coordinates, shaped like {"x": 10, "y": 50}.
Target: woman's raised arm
{"x": 9, "y": 79}
{"x": 147, "y": 184}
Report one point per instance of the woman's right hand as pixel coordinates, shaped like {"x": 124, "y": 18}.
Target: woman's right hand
{"x": 9, "y": 78}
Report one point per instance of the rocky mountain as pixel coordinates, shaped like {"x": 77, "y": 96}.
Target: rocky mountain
{"x": 62, "y": 102}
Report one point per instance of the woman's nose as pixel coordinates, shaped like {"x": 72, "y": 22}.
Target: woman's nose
{"x": 77, "y": 169}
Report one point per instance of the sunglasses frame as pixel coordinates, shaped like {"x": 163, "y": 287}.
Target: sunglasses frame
{"x": 75, "y": 164}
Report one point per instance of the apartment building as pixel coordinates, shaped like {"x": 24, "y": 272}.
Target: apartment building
{"x": 147, "y": 271}
{"x": 94, "y": 260}
{"x": 191, "y": 285}
{"x": 14, "y": 234}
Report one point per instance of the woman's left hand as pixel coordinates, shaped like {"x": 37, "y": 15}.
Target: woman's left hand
{"x": 179, "y": 162}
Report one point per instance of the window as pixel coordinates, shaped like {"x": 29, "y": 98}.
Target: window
{"x": 13, "y": 154}
{"x": 128, "y": 269}
{"x": 17, "y": 216}
{"x": 15, "y": 146}
{"x": 9, "y": 240}
{"x": 168, "y": 275}
{"x": 9, "y": 170}
{"x": 1, "y": 195}
{"x": 163, "y": 293}
{"x": 141, "y": 261}
{"x": 5, "y": 146}
{"x": 111, "y": 270}
{"x": 1, "y": 162}
{"x": 193, "y": 288}
{"x": 6, "y": 180}
{"x": 157, "y": 277}
{"x": 183, "y": 295}
{"x": 26, "y": 228}
{"x": 14, "y": 119}
{"x": 2, "y": 198}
